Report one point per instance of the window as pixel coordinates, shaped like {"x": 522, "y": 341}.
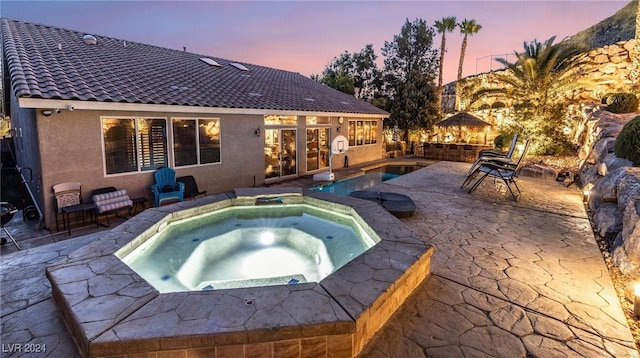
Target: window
{"x": 196, "y": 141}
{"x": 363, "y": 132}
{"x": 313, "y": 120}
{"x": 280, "y": 120}
{"x": 134, "y": 144}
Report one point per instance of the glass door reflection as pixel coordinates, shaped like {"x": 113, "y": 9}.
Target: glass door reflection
{"x": 280, "y": 153}
{"x": 317, "y": 148}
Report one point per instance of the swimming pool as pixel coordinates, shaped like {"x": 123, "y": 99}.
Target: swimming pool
{"x": 369, "y": 178}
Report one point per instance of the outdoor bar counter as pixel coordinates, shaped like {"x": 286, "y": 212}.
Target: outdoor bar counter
{"x": 455, "y": 152}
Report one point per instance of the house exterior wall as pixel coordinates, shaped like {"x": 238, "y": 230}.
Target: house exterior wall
{"x": 71, "y": 147}
{"x": 72, "y": 150}
{"x": 356, "y": 154}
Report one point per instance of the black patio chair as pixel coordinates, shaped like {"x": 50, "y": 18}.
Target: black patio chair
{"x": 191, "y": 187}
{"x": 508, "y": 172}
{"x": 493, "y": 154}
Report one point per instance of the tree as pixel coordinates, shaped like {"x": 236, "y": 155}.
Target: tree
{"x": 356, "y": 74}
{"x": 409, "y": 72}
{"x": 415, "y": 104}
{"x": 467, "y": 27}
{"x": 367, "y": 77}
{"x": 538, "y": 82}
{"x": 447, "y": 24}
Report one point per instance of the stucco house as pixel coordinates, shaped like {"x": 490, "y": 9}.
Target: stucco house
{"x": 109, "y": 112}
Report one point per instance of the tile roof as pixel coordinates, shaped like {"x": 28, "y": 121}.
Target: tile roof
{"x": 53, "y": 63}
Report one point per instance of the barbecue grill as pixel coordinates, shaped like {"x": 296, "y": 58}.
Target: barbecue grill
{"x": 6, "y": 215}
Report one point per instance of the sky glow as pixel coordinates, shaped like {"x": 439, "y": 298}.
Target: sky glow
{"x": 304, "y": 36}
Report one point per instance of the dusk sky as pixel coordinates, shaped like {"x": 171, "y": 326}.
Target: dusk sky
{"x": 304, "y": 36}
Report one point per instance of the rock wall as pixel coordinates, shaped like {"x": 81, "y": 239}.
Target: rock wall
{"x": 613, "y": 187}
{"x": 609, "y": 65}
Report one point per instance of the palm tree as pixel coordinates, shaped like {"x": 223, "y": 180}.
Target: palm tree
{"x": 541, "y": 71}
{"x": 467, "y": 27}
{"x": 447, "y": 24}
{"x": 537, "y": 83}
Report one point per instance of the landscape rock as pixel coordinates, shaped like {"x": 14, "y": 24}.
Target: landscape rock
{"x": 607, "y": 220}
{"x": 611, "y": 163}
{"x": 625, "y": 254}
{"x": 614, "y": 185}
{"x": 539, "y": 171}
{"x": 628, "y": 188}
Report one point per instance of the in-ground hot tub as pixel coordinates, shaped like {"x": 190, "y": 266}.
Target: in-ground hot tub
{"x": 110, "y": 309}
{"x": 249, "y": 246}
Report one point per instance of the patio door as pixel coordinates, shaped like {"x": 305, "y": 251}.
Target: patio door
{"x": 317, "y": 148}
{"x": 280, "y": 153}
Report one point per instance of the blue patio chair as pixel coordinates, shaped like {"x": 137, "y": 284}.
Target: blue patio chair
{"x": 167, "y": 190}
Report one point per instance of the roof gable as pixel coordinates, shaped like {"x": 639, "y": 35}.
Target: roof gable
{"x": 52, "y": 63}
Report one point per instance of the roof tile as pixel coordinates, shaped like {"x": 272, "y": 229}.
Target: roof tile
{"x": 48, "y": 62}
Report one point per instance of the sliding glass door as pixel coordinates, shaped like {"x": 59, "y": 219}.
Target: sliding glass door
{"x": 280, "y": 153}
{"x": 317, "y": 148}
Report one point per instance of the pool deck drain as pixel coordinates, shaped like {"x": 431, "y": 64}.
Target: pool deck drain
{"x": 110, "y": 310}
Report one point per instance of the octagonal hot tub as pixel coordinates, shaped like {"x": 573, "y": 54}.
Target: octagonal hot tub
{"x": 249, "y": 246}
{"x": 112, "y": 306}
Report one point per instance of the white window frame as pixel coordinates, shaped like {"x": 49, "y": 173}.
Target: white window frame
{"x": 138, "y": 150}
{"x": 198, "y": 152}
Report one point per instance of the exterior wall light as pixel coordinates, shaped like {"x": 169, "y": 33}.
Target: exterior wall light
{"x": 257, "y": 132}
{"x": 586, "y": 192}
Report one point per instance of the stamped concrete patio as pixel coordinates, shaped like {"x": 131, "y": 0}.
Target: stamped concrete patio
{"x": 507, "y": 279}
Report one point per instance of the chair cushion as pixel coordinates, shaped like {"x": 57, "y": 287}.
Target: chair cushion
{"x": 112, "y": 201}
{"x": 110, "y": 195}
{"x": 67, "y": 199}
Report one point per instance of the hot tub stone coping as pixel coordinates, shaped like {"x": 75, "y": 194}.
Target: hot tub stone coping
{"x": 107, "y": 305}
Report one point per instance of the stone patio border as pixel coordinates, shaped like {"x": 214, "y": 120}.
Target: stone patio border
{"x": 110, "y": 310}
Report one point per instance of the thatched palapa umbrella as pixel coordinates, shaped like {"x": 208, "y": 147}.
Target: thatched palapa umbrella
{"x": 464, "y": 120}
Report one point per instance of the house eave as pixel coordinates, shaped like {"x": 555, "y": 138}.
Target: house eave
{"x": 40, "y": 103}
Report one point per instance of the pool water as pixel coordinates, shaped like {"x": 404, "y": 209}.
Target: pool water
{"x": 248, "y": 247}
{"x": 368, "y": 179}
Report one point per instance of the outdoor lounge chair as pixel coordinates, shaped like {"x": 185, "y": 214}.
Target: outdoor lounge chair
{"x": 191, "y": 187}
{"x": 507, "y": 172}
{"x": 492, "y": 154}
{"x": 167, "y": 190}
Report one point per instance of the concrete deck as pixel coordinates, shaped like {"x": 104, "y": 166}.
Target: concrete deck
{"x": 507, "y": 279}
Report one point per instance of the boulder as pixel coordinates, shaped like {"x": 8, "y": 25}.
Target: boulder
{"x": 588, "y": 174}
{"x": 539, "y": 171}
{"x": 626, "y": 254}
{"x": 607, "y": 220}
{"x": 610, "y": 131}
{"x": 615, "y": 188}
{"x": 611, "y": 163}
{"x": 602, "y": 148}
{"x": 628, "y": 188}
{"x": 605, "y": 190}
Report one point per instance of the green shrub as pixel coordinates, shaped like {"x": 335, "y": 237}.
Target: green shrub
{"x": 622, "y": 103}
{"x": 627, "y": 144}
{"x": 497, "y": 104}
{"x": 503, "y": 141}
{"x": 605, "y": 98}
